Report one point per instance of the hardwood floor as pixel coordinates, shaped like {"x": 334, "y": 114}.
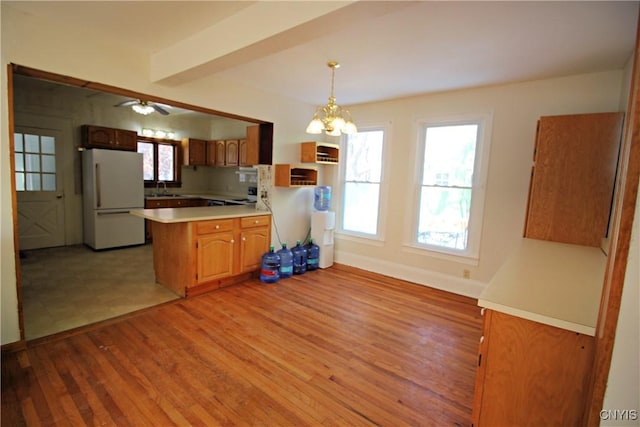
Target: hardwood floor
{"x": 330, "y": 347}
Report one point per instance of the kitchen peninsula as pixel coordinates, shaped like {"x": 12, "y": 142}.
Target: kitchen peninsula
{"x": 199, "y": 249}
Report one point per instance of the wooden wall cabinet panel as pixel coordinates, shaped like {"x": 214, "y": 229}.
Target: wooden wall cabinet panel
{"x": 250, "y": 147}
{"x": 109, "y": 138}
{"x": 573, "y": 176}
{"x": 221, "y": 152}
{"x": 232, "y": 149}
{"x": 530, "y": 374}
{"x": 194, "y": 152}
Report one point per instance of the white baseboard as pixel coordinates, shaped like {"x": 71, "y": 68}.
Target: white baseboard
{"x": 457, "y": 285}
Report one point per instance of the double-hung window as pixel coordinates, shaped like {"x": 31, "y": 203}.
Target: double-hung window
{"x": 361, "y": 183}
{"x": 161, "y": 160}
{"x": 450, "y": 192}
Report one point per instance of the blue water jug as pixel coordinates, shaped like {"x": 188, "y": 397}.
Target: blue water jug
{"x": 322, "y": 198}
{"x": 270, "y": 268}
{"x": 313, "y": 255}
{"x": 299, "y": 258}
{"x": 286, "y": 261}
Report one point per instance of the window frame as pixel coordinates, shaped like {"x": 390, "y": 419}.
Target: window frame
{"x": 379, "y": 237}
{"x": 177, "y": 156}
{"x": 478, "y": 186}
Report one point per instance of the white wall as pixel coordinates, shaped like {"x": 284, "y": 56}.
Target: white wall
{"x": 516, "y": 109}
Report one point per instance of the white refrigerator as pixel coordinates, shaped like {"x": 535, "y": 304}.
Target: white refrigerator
{"x": 113, "y": 184}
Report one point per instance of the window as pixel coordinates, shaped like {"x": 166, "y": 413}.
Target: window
{"x": 160, "y": 160}
{"x": 451, "y": 187}
{"x": 362, "y": 177}
{"x": 35, "y": 159}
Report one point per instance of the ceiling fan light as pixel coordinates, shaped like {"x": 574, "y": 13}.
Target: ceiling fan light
{"x": 145, "y": 110}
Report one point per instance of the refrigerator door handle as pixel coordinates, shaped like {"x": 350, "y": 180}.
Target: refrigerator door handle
{"x": 98, "y": 201}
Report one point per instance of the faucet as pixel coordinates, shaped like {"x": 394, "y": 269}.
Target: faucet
{"x": 158, "y": 185}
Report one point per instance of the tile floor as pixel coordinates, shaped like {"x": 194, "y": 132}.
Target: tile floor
{"x": 71, "y": 286}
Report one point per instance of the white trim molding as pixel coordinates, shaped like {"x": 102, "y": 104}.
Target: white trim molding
{"x": 457, "y": 285}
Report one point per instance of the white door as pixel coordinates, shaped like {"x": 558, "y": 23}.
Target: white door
{"x": 38, "y": 174}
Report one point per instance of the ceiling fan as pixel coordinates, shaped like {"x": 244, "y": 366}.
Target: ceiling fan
{"x": 143, "y": 107}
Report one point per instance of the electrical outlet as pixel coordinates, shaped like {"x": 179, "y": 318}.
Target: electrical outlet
{"x": 466, "y": 274}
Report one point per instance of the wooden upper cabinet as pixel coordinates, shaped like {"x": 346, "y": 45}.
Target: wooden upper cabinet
{"x": 221, "y": 152}
{"x": 573, "y": 178}
{"x": 250, "y": 147}
{"x": 194, "y": 152}
{"x": 211, "y": 153}
{"x": 109, "y": 138}
{"x": 232, "y": 149}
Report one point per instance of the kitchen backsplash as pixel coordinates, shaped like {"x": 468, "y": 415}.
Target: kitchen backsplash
{"x": 220, "y": 180}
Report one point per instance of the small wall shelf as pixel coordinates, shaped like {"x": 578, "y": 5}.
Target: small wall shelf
{"x": 319, "y": 152}
{"x": 287, "y": 175}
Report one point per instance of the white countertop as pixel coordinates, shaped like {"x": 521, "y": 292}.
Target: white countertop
{"x": 556, "y": 284}
{"x": 170, "y": 215}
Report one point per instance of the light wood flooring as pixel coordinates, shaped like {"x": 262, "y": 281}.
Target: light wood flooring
{"x": 336, "y": 347}
{"x": 71, "y": 286}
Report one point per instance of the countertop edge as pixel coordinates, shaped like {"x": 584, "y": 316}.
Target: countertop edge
{"x": 540, "y": 318}
{"x": 177, "y": 215}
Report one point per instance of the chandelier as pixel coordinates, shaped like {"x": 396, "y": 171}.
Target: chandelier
{"x": 332, "y": 118}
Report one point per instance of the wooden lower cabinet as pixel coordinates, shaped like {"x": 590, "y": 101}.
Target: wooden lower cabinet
{"x": 530, "y": 374}
{"x": 195, "y": 257}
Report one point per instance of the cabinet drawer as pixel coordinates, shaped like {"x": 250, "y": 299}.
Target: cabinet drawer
{"x": 254, "y": 221}
{"x": 207, "y": 227}
{"x": 152, "y": 204}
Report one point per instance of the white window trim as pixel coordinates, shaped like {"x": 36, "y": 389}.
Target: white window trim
{"x": 384, "y": 188}
{"x": 472, "y": 253}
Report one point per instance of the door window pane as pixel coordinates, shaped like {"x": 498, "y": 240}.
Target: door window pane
{"x": 35, "y": 154}
{"x": 48, "y": 145}
{"x": 48, "y": 182}
{"x": 33, "y": 182}
{"x": 31, "y": 143}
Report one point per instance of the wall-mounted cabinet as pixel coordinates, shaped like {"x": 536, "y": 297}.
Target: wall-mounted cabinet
{"x": 287, "y": 175}
{"x": 319, "y": 152}
{"x": 572, "y": 179}
{"x": 249, "y": 150}
{"x": 109, "y": 138}
{"x": 194, "y": 152}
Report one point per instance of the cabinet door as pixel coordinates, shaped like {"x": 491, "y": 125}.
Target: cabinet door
{"x": 194, "y": 151}
{"x": 214, "y": 256}
{"x": 253, "y": 244}
{"x": 250, "y": 147}
{"x": 211, "y": 153}
{"x": 220, "y": 153}
{"x": 573, "y": 178}
{"x": 534, "y": 374}
{"x": 232, "y": 147}
{"x": 98, "y": 137}
{"x": 126, "y": 140}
